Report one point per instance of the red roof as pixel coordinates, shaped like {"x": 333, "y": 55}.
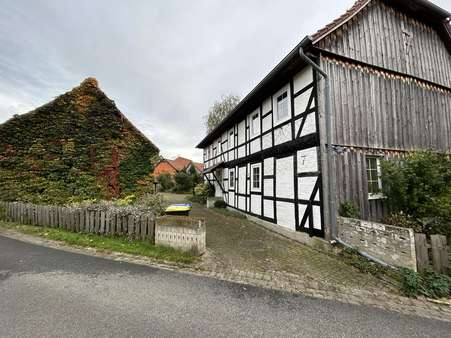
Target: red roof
{"x": 173, "y": 166}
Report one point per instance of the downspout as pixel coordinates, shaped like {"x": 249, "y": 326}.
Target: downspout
{"x": 329, "y": 151}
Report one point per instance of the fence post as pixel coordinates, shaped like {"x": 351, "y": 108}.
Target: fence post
{"x": 439, "y": 253}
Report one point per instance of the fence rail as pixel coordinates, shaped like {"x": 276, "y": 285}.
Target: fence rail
{"x": 137, "y": 226}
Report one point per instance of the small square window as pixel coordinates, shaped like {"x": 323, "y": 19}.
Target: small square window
{"x": 373, "y": 175}
{"x": 231, "y": 178}
{"x": 282, "y": 106}
{"x": 256, "y": 177}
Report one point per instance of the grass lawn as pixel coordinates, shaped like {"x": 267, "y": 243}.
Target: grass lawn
{"x": 104, "y": 243}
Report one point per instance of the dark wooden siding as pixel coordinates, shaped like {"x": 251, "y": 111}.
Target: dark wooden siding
{"x": 376, "y": 109}
{"x": 350, "y": 173}
{"x": 384, "y": 37}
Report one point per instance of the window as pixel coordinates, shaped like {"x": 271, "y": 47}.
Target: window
{"x": 282, "y": 106}
{"x": 373, "y": 174}
{"x": 231, "y": 178}
{"x": 256, "y": 177}
{"x": 255, "y": 125}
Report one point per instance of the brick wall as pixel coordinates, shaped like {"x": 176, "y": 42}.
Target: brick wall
{"x": 390, "y": 244}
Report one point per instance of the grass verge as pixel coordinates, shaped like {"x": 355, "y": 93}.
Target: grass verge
{"x": 104, "y": 243}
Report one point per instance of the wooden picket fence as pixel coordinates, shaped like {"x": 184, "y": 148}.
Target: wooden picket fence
{"x": 431, "y": 254}
{"x": 86, "y": 219}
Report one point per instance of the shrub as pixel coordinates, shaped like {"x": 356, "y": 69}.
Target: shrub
{"x": 154, "y": 202}
{"x": 220, "y": 204}
{"x": 349, "y": 209}
{"x": 203, "y": 191}
{"x": 420, "y": 186}
{"x": 127, "y": 200}
{"x": 165, "y": 181}
{"x": 428, "y": 283}
{"x": 403, "y": 220}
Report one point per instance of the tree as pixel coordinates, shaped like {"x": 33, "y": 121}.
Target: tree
{"x": 219, "y": 110}
{"x": 183, "y": 182}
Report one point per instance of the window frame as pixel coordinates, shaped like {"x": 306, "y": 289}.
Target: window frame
{"x": 231, "y": 178}
{"x": 369, "y": 182}
{"x": 255, "y": 124}
{"x": 284, "y": 90}
{"x": 257, "y": 166}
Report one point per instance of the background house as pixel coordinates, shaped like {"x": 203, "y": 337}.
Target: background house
{"x": 180, "y": 164}
{"x": 389, "y": 68}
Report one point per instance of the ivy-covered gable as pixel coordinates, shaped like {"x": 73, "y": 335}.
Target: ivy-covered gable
{"x": 76, "y": 147}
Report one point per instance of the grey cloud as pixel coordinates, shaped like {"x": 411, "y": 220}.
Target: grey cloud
{"x": 163, "y": 62}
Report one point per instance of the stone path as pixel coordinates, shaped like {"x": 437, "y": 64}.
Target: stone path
{"x": 235, "y": 243}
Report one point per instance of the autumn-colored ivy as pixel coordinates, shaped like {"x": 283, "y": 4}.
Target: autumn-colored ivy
{"x": 78, "y": 146}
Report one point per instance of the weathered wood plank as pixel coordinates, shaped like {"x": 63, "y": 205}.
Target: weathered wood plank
{"x": 421, "y": 249}
{"x": 439, "y": 253}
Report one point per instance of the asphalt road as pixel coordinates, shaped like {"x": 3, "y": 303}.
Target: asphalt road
{"x": 50, "y": 293}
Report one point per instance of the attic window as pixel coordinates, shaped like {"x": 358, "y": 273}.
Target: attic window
{"x": 282, "y": 106}
{"x": 255, "y": 124}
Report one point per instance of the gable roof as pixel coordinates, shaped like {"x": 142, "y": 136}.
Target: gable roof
{"x": 426, "y": 10}
{"x": 180, "y": 163}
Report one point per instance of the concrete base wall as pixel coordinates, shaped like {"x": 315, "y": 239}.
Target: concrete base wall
{"x": 182, "y": 233}
{"x": 390, "y": 244}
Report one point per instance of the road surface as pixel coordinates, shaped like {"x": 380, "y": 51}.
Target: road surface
{"x": 53, "y": 293}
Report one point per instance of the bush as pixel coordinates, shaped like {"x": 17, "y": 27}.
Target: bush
{"x": 127, "y": 200}
{"x": 428, "y": 283}
{"x": 154, "y": 202}
{"x": 203, "y": 191}
{"x": 220, "y": 204}
{"x": 420, "y": 186}
{"x": 403, "y": 220}
{"x": 349, "y": 209}
{"x": 165, "y": 181}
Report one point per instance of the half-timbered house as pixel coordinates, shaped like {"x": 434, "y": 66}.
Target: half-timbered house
{"x": 375, "y": 83}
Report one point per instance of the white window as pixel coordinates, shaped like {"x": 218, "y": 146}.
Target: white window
{"x": 255, "y": 178}
{"x": 231, "y": 178}
{"x": 282, "y": 106}
{"x": 255, "y": 124}
{"x": 373, "y": 174}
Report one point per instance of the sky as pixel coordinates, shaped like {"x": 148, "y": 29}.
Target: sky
{"x": 164, "y": 63}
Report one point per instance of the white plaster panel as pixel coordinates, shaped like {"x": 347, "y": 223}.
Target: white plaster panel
{"x": 285, "y": 215}
{"x": 305, "y": 187}
{"x": 256, "y": 204}
{"x": 282, "y": 134}
{"x": 242, "y": 180}
{"x": 241, "y": 203}
{"x": 248, "y": 204}
{"x": 316, "y": 217}
{"x": 309, "y": 125}
{"x": 303, "y": 79}
{"x": 284, "y": 177}
{"x": 266, "y": 106}
{"x": 241, "y": 151}
{"x": 255, "y": 146}
{"x": 267, "y": 141}
{"x": 231, "y": 155}
{"x": 267, "y": 122}
{"x": 301, "y": 102}
{"x": 241, "y": 132}
{"x": 268, "y": 187}
{"x": 308, "y": 160}
{"x": 232, "y": 198}
{"x": 268, "y": 208}
{"x": 268, "y": 166}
